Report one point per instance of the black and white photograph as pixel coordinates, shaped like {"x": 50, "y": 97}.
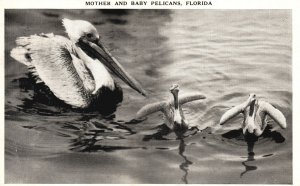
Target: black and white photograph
{"x": 148, "y": 96}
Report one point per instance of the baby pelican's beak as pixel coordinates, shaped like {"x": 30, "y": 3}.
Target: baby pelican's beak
{"x": 97, "y": 50}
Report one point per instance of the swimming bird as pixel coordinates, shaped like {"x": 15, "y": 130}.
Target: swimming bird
{"x": 255, "y": 112}
{"x": 172, "y": 110}
{"x": 76, "y": 70}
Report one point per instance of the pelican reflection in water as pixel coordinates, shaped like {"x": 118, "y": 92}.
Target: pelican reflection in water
{"x": 76, "y": 70}
{"x": 184, "y": 166}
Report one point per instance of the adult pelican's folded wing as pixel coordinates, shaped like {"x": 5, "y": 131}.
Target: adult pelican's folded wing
{"x": 274, "y": 113}
{"x": 50, "y": 58}
{"x": 231, "y": 113}
{"x": 151, "y": 108}
{"x": 190, "y": 97}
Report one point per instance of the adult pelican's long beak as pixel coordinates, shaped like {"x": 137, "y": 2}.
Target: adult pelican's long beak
{"x": 97, "y": 50}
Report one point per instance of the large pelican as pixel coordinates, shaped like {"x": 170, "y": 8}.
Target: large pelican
{"x": 255, "y": 112}
{"x": 173, "y": 114}
{"x": 75, "y": 69}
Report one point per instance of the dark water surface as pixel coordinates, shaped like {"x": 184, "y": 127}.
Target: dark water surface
{"x": 224, "y": 54}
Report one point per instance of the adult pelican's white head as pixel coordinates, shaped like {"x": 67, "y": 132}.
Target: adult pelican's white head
{"x": 77, "y": 29}
{"x": 76, "y": 70}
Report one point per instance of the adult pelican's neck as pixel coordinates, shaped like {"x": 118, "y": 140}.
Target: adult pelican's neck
{"x": 176, "y": 103}
{"x": 100, "y": 74}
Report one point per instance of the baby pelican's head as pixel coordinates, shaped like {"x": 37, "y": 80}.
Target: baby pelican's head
{"x": 174, "y": 88}
{"x": 80, "y": 29}
{"x": 252, "y": 98}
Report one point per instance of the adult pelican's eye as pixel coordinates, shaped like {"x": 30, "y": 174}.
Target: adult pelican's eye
{"x": 89, "y": 35}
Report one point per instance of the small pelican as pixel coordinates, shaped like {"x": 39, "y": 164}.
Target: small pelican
{"x": 73, "y": 69}
{"x": 255, "y": 112}
{"x": 173, "y": 114}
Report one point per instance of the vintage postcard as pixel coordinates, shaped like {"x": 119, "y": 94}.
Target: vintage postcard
{"x": 150, "y": 92}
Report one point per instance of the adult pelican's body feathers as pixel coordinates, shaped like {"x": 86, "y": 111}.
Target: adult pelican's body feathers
{"x": 172, "y": 110}
{"x": 255, "y": 112}
{"x": 73, "y": 69}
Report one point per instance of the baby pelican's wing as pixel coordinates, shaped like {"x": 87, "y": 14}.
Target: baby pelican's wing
{"x": 190, "y": 97}
{"x": 274, "y": 113}
{"x": 51, "y": 60}
{"x": 231, "y": 113}
{"x": 151, "y": 108}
